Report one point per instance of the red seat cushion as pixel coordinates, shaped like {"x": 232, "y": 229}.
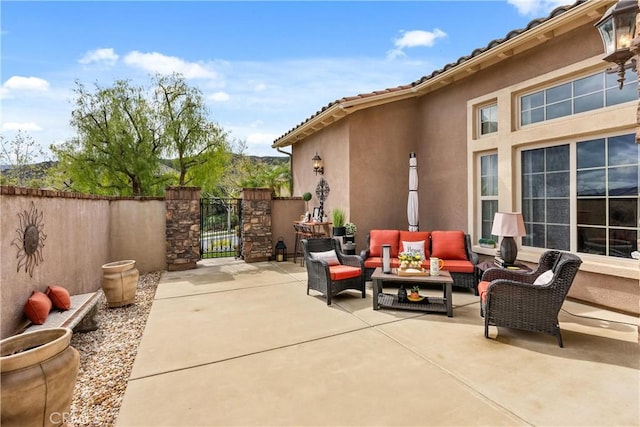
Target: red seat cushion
{"x": 458, "y": 266}
{"x": 482, "y": 289}
{"x": 377, "y": 238}
{"x": 416, "y": 236}
{"x": 37, "y": 308}
{"x": 376, "y": 261}
{"x": 59, "y": 296}
{"x": 448, "y": 245}
{"x": 341, "y": 272}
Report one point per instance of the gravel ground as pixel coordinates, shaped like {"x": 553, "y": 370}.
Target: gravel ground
{"x": 107, "y": 356}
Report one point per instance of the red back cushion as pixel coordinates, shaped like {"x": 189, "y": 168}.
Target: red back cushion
{"x": 383, "y": 237}
{"x": 448, "y": 245}
{"x": 37, "y": 308}
{"x": 59, "y": 296}
{"x": 416, "y": 236}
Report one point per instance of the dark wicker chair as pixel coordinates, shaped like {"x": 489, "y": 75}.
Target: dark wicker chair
{"x": 512, "y": 300}
{"x": 319, "y": 272}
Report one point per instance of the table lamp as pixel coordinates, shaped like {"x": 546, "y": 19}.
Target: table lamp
{"x": 508, "y": 225}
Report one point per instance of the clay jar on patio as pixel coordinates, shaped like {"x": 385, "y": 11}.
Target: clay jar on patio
{"x": 119, "y": 282}
{"x": 39, "y": 371}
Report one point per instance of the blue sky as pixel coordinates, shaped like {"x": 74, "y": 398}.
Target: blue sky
{"x": 263, "y": 67}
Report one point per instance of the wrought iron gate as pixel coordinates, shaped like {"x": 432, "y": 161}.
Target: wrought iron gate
{"x": 220, "y": 228}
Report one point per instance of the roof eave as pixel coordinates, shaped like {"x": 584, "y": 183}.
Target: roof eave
{"x": 465, "y": 66}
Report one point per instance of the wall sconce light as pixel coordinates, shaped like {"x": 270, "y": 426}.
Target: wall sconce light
{"x": 617, "y": 28}
{"x": 318, "y": 167}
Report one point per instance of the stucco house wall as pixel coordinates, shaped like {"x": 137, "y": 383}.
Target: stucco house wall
{"x": 437, "y": 118}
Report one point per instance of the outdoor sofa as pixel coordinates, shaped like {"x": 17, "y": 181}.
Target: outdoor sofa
{"x": 452, "y": 246}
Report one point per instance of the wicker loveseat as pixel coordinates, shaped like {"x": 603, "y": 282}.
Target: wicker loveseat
{"x": 528, "y": 300}
{"x": 452, "y": 246}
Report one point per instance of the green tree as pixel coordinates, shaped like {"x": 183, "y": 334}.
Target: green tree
{"x": 201, "y": 148}
{"x": 118, "y": 147}
{"x": 19, "y": 155}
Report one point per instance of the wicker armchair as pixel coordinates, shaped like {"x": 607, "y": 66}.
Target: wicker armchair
{"x": 347, "y": 273}
{"x": 511, "y": 299}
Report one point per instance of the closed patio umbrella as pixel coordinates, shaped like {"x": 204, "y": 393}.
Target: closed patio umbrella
{"x": 412, "y": 201}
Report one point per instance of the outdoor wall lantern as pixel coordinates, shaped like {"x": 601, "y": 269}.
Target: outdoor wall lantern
{"x": 617, "y": 28}
{"x": 318, "y": 167}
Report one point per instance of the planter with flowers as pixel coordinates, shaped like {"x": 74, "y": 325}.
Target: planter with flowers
{"x": 411, "y": 264}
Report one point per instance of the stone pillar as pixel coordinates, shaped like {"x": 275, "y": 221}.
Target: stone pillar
{"x": 182, "y": 227}
{"x": 256, "y": 224}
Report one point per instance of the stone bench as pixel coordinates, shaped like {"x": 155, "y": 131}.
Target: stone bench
{"x": 79, "y": 318}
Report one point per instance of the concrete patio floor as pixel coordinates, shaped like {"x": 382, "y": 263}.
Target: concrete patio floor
{"x": 232, "y": 343}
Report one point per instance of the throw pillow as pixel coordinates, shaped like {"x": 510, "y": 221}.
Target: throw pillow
{"x": 414, "y": 247}
{"x": 416, "y": 236}
{"x": 545, "y": 278}
{"x": 37, "y": 308}
{"x": 329, "y": 256}
{"x": 448, "y": 245}
{"x": 59, "y": 296}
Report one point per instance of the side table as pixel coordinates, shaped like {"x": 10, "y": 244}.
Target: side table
{"x": 484, "y": 266}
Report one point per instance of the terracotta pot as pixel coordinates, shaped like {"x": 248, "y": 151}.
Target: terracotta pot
{"x": 119, "y": 282}
{"x": 39, "y": 371}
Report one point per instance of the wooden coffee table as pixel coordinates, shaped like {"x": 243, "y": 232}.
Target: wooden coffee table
{"x": 429, "y": 304}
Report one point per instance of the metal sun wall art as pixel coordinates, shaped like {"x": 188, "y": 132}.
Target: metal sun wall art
{"x": 29, "y": 239}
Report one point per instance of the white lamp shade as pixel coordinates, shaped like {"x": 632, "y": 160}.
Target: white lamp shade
{"x": 508, "y": 224}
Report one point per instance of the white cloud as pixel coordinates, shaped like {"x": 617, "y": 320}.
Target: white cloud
{"x": 415, "y": 38}
{"x": 104, "y": 56}
{"x": 163, "y": 64}
{"x": 219, "y": 96}
{"x": 26, "y": 83}
{"x": 259, "y": 87}
{"x": 537, "y": 8}
{"x": 28, "y": 127}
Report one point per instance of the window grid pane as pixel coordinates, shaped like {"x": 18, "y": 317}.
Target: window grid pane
{"x": 488, "y": 193}
{"x": 584, "y": 94}
{"x": 545, "y": 197}
{"x": 489, "y": 119}
{"x": 607, "y": 196}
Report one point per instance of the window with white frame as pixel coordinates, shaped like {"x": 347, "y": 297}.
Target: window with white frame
{"x": 607, "y": 177}
{"x": 545, "y": 197}
{"x": 607, "y": 196}
{"x": 577, "y": 96}
{"x": 488, "y": 193}
{"x": 488, "y": 119}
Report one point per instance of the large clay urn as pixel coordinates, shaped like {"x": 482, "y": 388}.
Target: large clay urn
{"x": 39, "y": 371}
{"x": 119, "y": 282}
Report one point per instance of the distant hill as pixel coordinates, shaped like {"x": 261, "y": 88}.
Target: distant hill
{"x": 39, "y": 170}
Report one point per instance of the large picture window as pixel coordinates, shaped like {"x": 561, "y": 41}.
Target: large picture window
{"x": 607, "y": 196}
{"x": 488, "y": 193}
{"x": 607, "y": 177}
{"x": 584, "y": 94}
{"x": 545, "y": 197}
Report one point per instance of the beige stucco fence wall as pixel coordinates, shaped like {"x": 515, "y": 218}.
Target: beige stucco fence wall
{"x": 83, "y": 232}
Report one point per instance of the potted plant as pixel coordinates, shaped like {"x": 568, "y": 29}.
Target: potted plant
{"x": 487, "y": 243}
{"x": 306, "y": 197}
{"x": 337, "y": 215}
{"x": 350, "y": 231}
